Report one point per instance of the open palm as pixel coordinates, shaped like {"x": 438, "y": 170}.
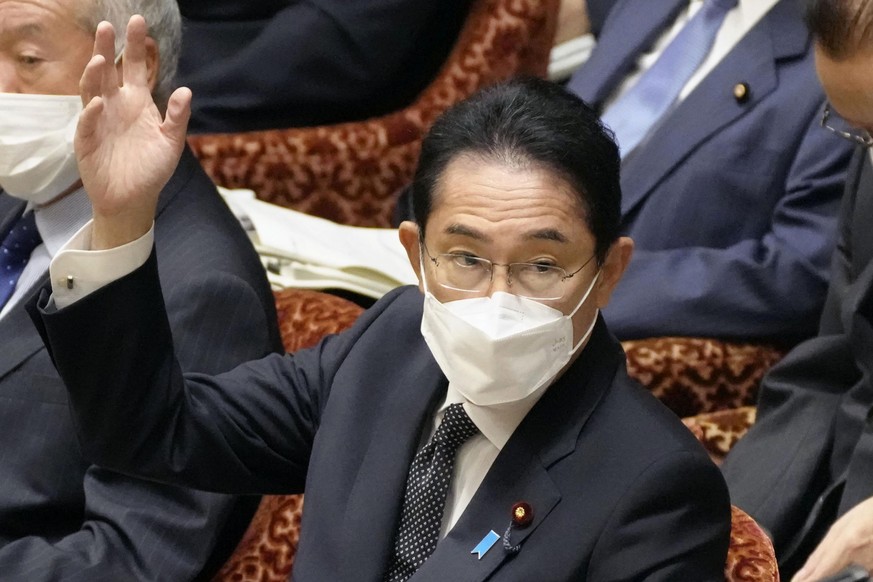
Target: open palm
{"x": 125, "y": 150}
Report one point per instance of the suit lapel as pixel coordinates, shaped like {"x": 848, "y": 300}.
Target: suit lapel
{"x": 16, "y": 344}
{"x": 377, "y": 494}
{"x": 616, "y": 52}
{"x": 712, "y": 105}
{"x": 18, "y": 337}
{"x": 521, "y": 471}
{"x": 11, "y": 210}
{"x": 862, "y": 236}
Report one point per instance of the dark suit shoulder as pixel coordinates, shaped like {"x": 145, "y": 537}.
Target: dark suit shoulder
{"x": 644, "y": 423}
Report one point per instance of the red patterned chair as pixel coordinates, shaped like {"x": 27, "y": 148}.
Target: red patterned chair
{"x": 352, "y": 172}
{"x": 720, "y": 430}
{"x": 751, "y": 557}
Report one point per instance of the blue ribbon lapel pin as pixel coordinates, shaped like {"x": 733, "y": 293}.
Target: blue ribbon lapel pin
{"x": 486, "y": 544}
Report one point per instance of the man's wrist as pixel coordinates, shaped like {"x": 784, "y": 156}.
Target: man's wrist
{"x": 109, "y": 232}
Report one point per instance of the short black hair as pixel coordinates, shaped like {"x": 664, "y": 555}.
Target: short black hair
{"x": 842, "y": 28}
{"x": 536, "y": 122}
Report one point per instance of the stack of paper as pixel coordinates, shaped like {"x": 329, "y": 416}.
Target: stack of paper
{"x": 299, "y": 250}
{"x": 568, "y": 56}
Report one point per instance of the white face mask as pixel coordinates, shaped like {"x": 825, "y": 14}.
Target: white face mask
{"x": 499, "y": 349}
{"x": 37, "y": 161}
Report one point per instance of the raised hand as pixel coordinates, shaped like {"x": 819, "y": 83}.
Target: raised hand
{"x": 126, "y": 151}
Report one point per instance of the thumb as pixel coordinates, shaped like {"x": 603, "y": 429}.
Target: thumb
{"x": 175, "y": 123}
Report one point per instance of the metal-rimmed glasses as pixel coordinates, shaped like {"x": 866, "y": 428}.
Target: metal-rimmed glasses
{"x": 838, "y": 125}
{"x": 471, "y": 274}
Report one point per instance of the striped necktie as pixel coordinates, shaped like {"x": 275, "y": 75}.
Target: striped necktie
{"x": 640, "y": 108}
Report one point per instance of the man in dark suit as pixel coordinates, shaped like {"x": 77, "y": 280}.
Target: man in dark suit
{"x": 291, "y": 63}
{"x": 732, "y": 194}
{"x": 485, "y": 430}
{"x": 805, "y": 469}
{"x": 62, "y": 518}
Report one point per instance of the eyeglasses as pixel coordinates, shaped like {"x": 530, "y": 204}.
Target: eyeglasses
{"x": 460, "y": 272}
{"x": 838, "y": 125}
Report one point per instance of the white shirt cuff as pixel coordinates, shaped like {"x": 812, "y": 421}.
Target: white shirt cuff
{"x": 77, "y": 271}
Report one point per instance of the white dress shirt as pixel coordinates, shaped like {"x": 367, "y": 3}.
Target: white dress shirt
{"x": 739, "y": 20}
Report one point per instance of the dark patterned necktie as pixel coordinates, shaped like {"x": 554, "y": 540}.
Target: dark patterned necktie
{"x": 425, "y": 498}
{"x": 15, "y": 252}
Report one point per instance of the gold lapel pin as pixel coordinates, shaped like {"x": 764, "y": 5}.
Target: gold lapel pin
{"x": 742, "y": 92}
{"x": 521, "y": 517}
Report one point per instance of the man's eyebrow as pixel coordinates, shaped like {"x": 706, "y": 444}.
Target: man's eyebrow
{"x": 547, "y": 234}
{"x": 29, "y": 29}
{"x": 462, "y": 230}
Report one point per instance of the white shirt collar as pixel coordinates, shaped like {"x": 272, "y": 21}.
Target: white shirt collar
{"x": 497, "y": 422}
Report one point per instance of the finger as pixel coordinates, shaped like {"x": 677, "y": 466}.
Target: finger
{"x": 104, "y": 46}
{"x": 175, "y": 123}
{"x": 91, "y": 81}
{"x": 87, "y": 127}
{"x": 827, "y": 559}
{"x": 135, "y": 70}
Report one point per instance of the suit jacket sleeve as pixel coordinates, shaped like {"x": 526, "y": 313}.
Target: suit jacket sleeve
{"x": 677, "y": 493}
{"x": 138, "y": 530}
{"x": 248, "y": 430}
{"x": 775, "y": 472}
{"x": 770, "y": 286}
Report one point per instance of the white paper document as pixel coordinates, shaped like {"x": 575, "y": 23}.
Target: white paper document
{"x": 299, "y": 250}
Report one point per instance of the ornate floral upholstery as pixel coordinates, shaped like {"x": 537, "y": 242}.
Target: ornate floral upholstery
{"x": 751, "y": 557}
{"x": 352, "y": 172}
{"x": 719, "y": 431}
{"x": 266, "y": 551}
{"x": 306, "y": 316}
{"x": 696, "y": 375}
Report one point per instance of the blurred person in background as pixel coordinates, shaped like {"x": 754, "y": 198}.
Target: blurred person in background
{"x": 62, "y": 518}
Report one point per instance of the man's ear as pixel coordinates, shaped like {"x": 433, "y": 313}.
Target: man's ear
{"x": 616, "y": 262}
{"x": 409, "y": 238}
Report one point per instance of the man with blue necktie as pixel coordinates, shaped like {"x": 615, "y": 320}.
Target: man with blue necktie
{"x": 62, "y": 518}
{"x": 730, "y": 189}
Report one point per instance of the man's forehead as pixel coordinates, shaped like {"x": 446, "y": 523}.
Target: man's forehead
{"x": 37, "y": 17}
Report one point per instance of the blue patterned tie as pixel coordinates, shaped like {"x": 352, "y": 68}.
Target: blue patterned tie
{"x": 427, "y": 487}
{"x": 15, "y": 252}
{"x": 634, "y": 114}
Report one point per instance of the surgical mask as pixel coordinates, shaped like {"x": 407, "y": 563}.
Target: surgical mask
{"x": 500, "y": 349}
{"x": 37, "y": 161}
